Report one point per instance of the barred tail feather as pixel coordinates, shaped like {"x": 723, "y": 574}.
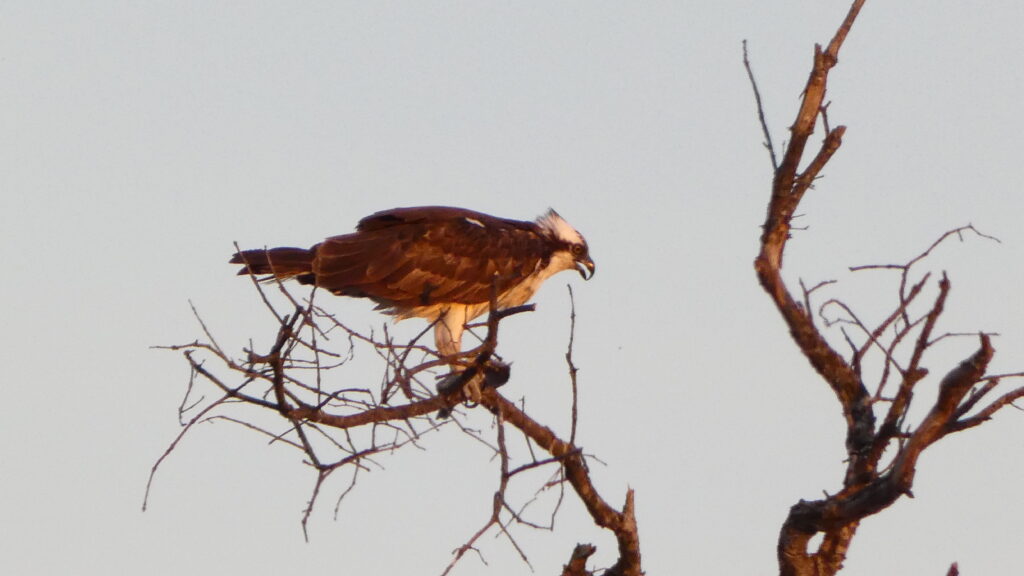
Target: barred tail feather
{"x": 280, "y": 263}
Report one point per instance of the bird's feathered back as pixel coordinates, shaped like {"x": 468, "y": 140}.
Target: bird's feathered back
{"x": 418, "y": 256}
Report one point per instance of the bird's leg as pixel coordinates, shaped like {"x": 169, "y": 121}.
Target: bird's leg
{"x": 448, "y": 338}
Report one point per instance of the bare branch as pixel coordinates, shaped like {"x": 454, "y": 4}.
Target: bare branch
{"x": 572, "y": 367}
{"x": 986, "y": 413}
{"x": 867, "y": 487}
{"x": 760, "y": 110}
{"x": 347, "y": 426}
{"x": 577, "y": 565}
{"x": 787, "y": 190}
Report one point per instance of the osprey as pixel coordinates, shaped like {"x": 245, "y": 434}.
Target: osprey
{"x": 433, "y": 262}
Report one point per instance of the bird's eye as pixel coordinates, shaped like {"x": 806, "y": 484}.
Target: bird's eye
{"x": 576, "y": 249}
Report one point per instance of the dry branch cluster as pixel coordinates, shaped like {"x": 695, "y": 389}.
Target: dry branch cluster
{"x": 882, "y": 444}
{"x": 295, "y": 383}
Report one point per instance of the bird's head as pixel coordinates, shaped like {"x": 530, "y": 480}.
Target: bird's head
{"x": 570, "y": 243}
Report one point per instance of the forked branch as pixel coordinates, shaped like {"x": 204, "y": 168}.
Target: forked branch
{"x": 339, "y": 428}
{"x": 881, "y": 462}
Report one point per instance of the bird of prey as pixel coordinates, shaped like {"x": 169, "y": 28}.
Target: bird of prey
{"x": 434, "y": 262}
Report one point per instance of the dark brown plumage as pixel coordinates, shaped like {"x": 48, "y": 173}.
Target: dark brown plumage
{"x": 432, "y": 262}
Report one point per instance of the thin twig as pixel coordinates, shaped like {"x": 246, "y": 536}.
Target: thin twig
{"x": 760, "y": 110}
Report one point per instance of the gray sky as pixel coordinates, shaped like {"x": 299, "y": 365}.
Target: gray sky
{"x": 141, "y": 139}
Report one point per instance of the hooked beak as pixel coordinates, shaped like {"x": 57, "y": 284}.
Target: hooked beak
{"x": 586, "y": 268}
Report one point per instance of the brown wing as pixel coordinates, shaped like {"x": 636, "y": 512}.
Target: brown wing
{"x": 411, "y": 257}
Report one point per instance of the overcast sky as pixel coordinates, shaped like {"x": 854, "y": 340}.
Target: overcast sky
{"x": 141, "y": 139}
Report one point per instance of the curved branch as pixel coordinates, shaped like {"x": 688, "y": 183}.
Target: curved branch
{"x": 787, "y": 190}
{"x": 622, "y": 524}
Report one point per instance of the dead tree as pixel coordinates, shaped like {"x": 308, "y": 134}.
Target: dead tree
{"x": 296, "y": 387}
{"x": 882, "y": 443}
